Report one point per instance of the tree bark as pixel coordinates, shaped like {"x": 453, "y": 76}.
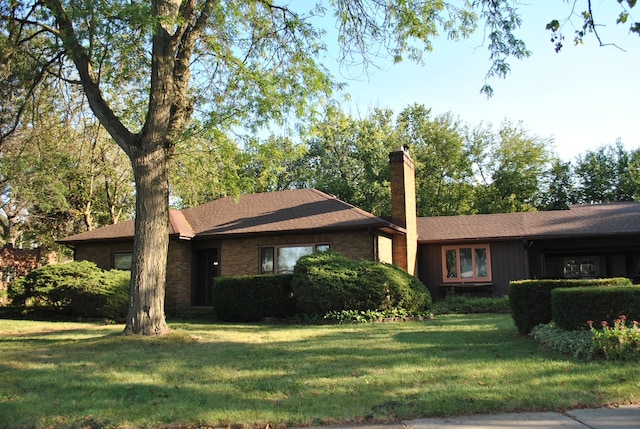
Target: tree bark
{"x": 151, "y": 244}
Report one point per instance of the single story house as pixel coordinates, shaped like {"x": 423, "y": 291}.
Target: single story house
{"x": 266, "y": 233}
{"x": 484, "y": 252}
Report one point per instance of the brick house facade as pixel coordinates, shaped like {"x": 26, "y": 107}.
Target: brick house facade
{"x": 262, "y": 233}
{"x": 476, "y": 253}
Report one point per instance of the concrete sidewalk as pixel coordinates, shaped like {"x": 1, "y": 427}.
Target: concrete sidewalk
{"x": 622, "y": 417}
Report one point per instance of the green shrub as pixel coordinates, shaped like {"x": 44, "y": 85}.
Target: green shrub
{"x": 620, "y": 341}
{"x": 469, "y": 305}
{"x": 530, "y": 300}
{"x": 328, "y": 281}
{"x": 367, "y": 316}
{"x": 573, "y": 307}
{"x": 78, "y": 289}
{"x": 252, "y": 298}
{"x": 579, "y": 344}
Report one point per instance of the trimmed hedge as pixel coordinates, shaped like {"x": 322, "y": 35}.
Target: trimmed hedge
{"x": 328, "y": 281}
{"x": 573, "y": 307}
{"x": 79, "y": 289}
{"x": 252, "y": 298}
{"x": 530, "y": 300}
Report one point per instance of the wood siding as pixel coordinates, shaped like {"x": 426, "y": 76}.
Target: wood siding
{"x": 508, "y": 262}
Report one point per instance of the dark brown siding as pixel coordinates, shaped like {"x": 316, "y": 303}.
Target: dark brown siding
{"x": 508, "y": 262}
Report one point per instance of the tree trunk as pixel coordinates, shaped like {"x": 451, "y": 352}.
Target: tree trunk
{"x": 151, "y": 244}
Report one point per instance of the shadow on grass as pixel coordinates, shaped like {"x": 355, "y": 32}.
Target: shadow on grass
{"x": 257, "y": 374}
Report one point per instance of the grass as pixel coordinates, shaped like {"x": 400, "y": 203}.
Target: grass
{"x": 74, "y": 375}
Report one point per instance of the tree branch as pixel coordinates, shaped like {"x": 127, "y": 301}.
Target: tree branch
{"x": 90, "y": 83}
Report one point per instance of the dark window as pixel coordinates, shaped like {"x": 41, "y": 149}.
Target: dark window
{"x": 122, "y": 260}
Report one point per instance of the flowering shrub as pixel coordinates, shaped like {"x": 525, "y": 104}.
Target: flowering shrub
{"x": 618, "y": 342}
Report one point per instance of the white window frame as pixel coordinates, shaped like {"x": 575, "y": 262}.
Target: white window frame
{"x": 474, "y": 278}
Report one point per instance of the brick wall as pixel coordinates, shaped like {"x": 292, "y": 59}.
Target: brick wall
{"x": 178, "y": 289}
{"x": 403, "y": 209}
{"x": 101, "y": 253}
{"x": 178, "y": 292}
{"x": 237, "y": 257}
{"x": 242, "y": 256}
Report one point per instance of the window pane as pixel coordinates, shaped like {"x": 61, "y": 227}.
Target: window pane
{"x": 266, "y": 260}
{"x": 322, "y": 247}
{"x": 122, "y": 260}
{"x": 587, "y": 268}
{"x": 452, "y": 264}
{"x": 481, "y": 262}
{"x": 466, "y": 263}
{"x": 288, "y": 256}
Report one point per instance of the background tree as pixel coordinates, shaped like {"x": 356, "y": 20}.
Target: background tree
{"x": 557, "y": 191}
{"x": 348, "y": 158}
{"x": 444, "y": 170}
{"x": 512, "y": 170}
{"x": 606, "y": 175}
{"x": 276, "y": 163}
{"x": 60, "y": 175}
{"x": 207, "y": 164}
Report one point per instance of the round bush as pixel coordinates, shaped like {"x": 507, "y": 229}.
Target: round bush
{"x": 74, "y": 289}
{"x": 328, "y": 281}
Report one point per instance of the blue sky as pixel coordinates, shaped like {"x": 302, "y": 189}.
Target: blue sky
{"x": 582, "y": 98}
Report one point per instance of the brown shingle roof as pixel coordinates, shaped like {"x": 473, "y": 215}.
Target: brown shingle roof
{"x": 580, "y": 220}
{"x": 278, "y": 212}
{"x": 274, "y": 212}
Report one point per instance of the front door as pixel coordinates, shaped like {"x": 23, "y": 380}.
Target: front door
{"x": 206, "y": 268}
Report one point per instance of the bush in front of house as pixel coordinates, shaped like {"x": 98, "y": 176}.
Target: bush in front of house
{"x": 252, "y": 298}
{"x": 530, "y": 300}
{"x": 79, "y": 289}
{"x": 571, "y": 308}
{"x": 329, "y": 282}
{"x": 578, "y": 344}
{"x": 468, "y": 305}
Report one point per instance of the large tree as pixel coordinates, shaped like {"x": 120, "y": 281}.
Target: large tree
{"x": 607, "y": 174}
{"x": 147, "y": 68}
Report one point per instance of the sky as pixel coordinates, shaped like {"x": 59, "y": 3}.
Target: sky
{"x": 580, "y": 99}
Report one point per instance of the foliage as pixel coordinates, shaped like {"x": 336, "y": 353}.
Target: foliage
{"x": 328, "y": 281}
{"x": 607, "y": 174}
{"x": 579, "y": 344}
{"x": 444, "y": 167}
{"x": 572, "y": 307}
{"x": 557, "y": 188}
{"x": 589, "y": 24}
{"x": 78, "y": 289}
{"x": 61, "y": 175}
{"x": 368, "y": 316}
{"x": 252, "y": 298}
{"x": 349, "y": 158}
{"x": 530, "y": 300}
{"x": 620, "y": 341}
{"x": 460, "y": 304}
{"x": 511, "y": 169}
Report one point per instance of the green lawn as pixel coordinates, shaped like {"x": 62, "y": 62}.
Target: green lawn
{"x": 87, "y": 375}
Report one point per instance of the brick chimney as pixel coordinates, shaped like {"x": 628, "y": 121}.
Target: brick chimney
{"x": 403, "y": 209}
